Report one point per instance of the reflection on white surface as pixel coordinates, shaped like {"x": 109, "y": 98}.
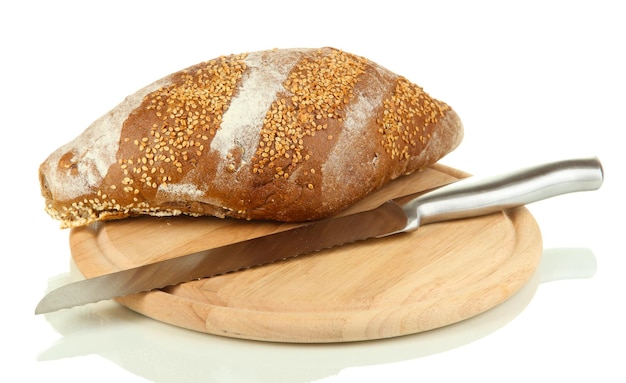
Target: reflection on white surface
{"x": 164, "y": 353}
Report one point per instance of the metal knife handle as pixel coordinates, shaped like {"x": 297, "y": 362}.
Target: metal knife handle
{"x": 473, "y": 197}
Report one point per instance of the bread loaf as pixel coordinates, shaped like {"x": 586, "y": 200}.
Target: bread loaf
{"x": 287, "y": 135}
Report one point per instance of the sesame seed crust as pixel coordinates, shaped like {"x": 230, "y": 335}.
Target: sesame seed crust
{"x": 198, "y": 142}
{"x": 319, "y": 88}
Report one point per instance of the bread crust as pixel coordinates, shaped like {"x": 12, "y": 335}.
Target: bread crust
{"x": 287, "y": 135}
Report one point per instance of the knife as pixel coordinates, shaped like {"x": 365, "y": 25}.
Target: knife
{"x": 469, "y": 197}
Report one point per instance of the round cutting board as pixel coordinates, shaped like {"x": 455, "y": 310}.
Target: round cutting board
{"x": 412, "y": 282}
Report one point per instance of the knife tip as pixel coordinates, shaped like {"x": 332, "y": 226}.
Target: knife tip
{"x": 41, "y": 308}
{"x": 53, "y": 301}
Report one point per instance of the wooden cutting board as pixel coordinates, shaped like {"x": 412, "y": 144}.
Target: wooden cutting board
{"x": 404, "y": 284}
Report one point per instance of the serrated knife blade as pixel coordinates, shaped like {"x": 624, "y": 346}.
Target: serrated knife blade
{"x": 469, "y": 197}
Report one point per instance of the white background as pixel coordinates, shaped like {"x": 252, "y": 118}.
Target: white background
{"x": 533, "y": 81}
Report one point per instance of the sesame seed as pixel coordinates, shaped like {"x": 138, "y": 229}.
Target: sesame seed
{"x": 185, "y": 114}
{"x": 406, "y": 115}
{"x": 319, "y": 88}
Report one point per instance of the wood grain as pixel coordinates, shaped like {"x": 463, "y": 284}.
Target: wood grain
{"x": 408, "y": 283}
